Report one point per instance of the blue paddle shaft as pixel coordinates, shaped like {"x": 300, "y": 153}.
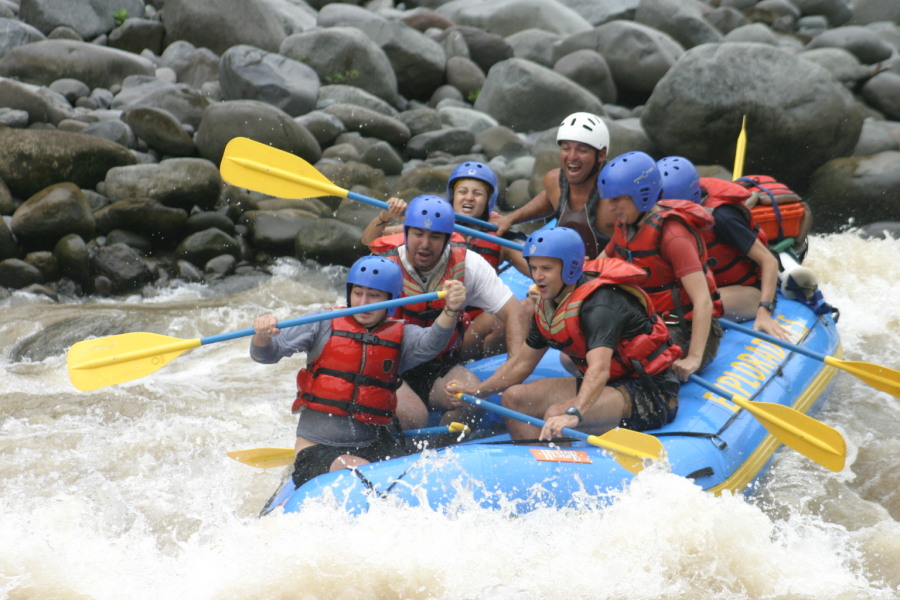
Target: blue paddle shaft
{"x": 772, "y": 340}
{"x": 331, "y": 314}
{"x": 516, "y": 415}
{"x": 460, "y": 228}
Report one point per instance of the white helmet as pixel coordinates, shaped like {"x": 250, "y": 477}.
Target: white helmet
{"x": 585, "y": 128}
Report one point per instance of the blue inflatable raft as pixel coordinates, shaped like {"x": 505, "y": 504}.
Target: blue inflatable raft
{"x": 711, "y": 441}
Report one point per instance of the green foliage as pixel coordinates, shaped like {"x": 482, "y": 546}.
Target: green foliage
{"x": 342, "y": 77}
{"x": 120, "y": 16}
{"x": 473, "y": 96}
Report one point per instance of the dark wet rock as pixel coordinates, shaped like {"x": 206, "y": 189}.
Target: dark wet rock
{"x": 187, "y": 104}
{"x": 485, "y": 49}
{"x": 193, "y": 66}
{"x": 420, "y": 120}
{"x": 338, "y": 93}
{"x": 500, "y": 140}
{"x": 258, "y": 121}
{"x": 681, "y": 19}
{"x": 88, "y": 19}
{"x": 45, "y": 262}
{"x": 465, "y": 117}
{"x": 137, "y": 35}
{"x": 138, "y": 241}
{"x": 324, "y": 126}
{"x": 856, "y": 190}
{"x": 220, "y": 266}
{"x": 70, "y": 89}
{"x": 275, "y": 231}
{"x": 41, "y": 104}
{"x": 464, "y": 75}
{"x": 329, "y": 241}
{"x": 161, "y": 130}
{"x": 877, "y": 136}
{"x": 203, "y": 246}
{"x": 113, "y": 130}
{"x": 123, "y": 266}
{"x": 51, "y": 214}
{"x": 882, "y": 92}
{"x": 221, "y": 24}
{"x": 44, "y": 62}
{"x": 454, "y": 141}
{"x": 186, "y": 271}
{"x": 881, "y": 230}
{"x": 370, "y": 123}
{"x": 248, "y": 73}
{"x": 15, "y": 273}
{"x": 798, "y": 119}
{"x": 8, "y": 246}
{"x": 161, "y": 223}
{"x": 206, "y": 220}
{"x": 73, "y": 259}
{"x": 382, "y": 155}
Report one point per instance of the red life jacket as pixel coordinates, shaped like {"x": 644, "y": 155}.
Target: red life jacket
{"x": 729, "y": 265}
{"x": 665, "y": 290}
{"x": 425, "y": 313}
{"x": 490, "y": 251}
{"x": 356, "y": 373}
{"x": 647, "y": 353}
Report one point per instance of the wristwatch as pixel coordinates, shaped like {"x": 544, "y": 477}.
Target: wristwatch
{"x": 573, "y": 410}
{"x": 769, "y": 306}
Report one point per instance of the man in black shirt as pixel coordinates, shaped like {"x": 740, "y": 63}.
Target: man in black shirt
{"x": 606, "y": 326}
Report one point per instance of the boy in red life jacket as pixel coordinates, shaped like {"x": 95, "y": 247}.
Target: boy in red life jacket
{"x": 607, "y": 326}
{"x": 745, "y": 270}
{"x": 570, "y": 192}
{"x": 347, "y": 393}
{"x": 428, "y": 259}
{"x": 663, "y": 238}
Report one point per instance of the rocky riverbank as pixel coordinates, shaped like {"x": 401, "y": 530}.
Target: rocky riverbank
{"x": 114, "y": 116}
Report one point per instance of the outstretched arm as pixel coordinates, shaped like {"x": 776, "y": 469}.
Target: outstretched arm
{"x": 379, "y": 225}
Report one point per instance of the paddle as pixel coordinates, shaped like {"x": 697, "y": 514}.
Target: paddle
{"x": 267, "y": 458}
{"x": 879, "y": 377}
{"x": 628, "y": 447}
{"x": 114, "y": 359}
{"x": 260, "y": 167}
{"x": 740, "y": 151}
{"x": 806, "y": 435}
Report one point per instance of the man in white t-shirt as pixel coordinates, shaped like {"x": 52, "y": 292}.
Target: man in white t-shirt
{"x": 428, "y": 259}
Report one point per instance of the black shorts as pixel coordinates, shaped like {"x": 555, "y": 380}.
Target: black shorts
{"x": 653, "y": 403}
{"x": 421, "y": 379}
{"x": 316, "y": 460}
{"x": 681, "y": 337}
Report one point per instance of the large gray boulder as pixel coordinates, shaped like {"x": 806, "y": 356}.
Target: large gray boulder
{"x": 88, "y": 19}
{"x": 145, "y": 216}
{"x": 370, "y": 123}
{"x": 506, "y": 17}
{"x": 638, "y": 55}
{"x": 858, "y": 191}
{"x": 861, "y": 41}
{"x": 221, "y": 24}
{"x": 50, "y": 215}
{"x": 41, "y": 104}
{"x": 44, "y": 62}
{"x": 15, "y": 33}
{"x": 184, "y": 102}
{"x": 249, "y": 73}
{"x": 193, "y": 66}
{"x": 33, "y": 159}
{"x": 258, "y": 121}
{"x": 799, "y": 117}
{"x": 177, "y": 182}
{"x": 352, "y": 58}
{"x": 528, "y": 97}
{"x": 681, "y": 19}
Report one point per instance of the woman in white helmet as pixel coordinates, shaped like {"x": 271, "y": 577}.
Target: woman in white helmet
{"x": 570, "y": 192}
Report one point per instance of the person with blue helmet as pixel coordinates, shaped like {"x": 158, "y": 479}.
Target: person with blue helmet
{"x": 606, "y": 326}
{"x": 663, "y": 237}
{"x": 347, "y": 392}
{"x": 569, "y": 192}
{"x": 745, "y": 270}
{"x": 428, "y": 258}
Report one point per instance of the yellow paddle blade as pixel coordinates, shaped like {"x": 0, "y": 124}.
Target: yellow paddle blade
{"x": 740, "y": 151}
{"x": 115, "y": 359}
{"x": 629, "y": 448}
{"x": 879, "y": 377}
{"x": 811, "y": 438}
{"x": 264, "y": 458}
{"x": 256, "y": 166}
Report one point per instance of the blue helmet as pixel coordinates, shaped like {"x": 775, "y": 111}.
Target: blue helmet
{"x": 474, "y": 170}
{"x": 378, "y": 273}
{"x": 432, "y": 213}
{"x": 631, "y": 174}
{"x": 562, "y": 243}
{"x": 679, "y": 179}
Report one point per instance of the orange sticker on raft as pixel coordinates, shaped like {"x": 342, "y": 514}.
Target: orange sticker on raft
{"x": 567, "y": 456}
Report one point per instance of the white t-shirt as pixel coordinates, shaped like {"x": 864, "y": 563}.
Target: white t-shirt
{"x": 484, "y": 288}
